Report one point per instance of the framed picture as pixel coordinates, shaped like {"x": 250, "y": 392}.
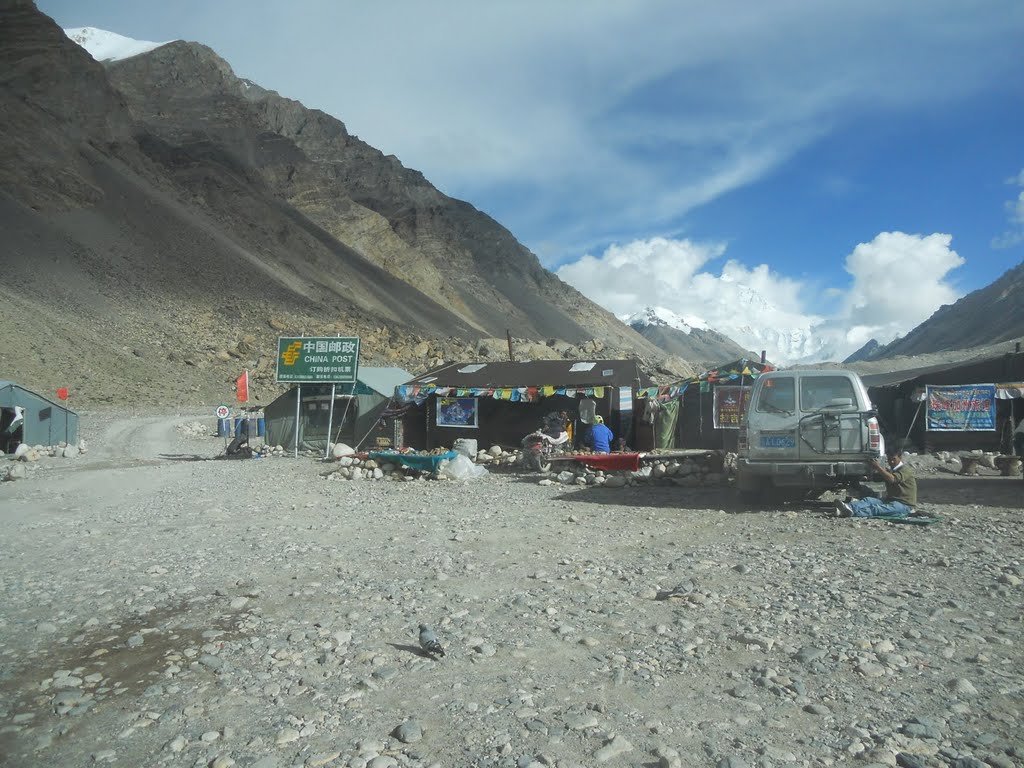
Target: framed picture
{"x": 457, "y": 412}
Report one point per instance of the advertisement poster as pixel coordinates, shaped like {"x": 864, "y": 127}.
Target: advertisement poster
{"x": 727, "y": 410}
{"x": 965, "y": 408}
{"x": 457, "y": 412}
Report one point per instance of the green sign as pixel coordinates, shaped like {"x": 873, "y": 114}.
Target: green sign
{"x": 317, "y": 359}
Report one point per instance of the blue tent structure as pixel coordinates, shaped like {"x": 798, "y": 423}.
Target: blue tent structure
{"x": 45, "y": 422}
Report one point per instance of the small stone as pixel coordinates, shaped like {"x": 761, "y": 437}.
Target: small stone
{"x": 617, "y": 746}
{"x": 408, "y": 732}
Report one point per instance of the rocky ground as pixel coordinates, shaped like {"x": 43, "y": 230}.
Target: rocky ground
{"x": 158, "y": 609}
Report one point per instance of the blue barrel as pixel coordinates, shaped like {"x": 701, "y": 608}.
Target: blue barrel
{"x": 261, "y": 426}
{"x": 223, "y": 427}
{"x": 241, "y": 427}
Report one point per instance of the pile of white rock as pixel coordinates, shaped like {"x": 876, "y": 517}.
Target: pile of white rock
{"x": 498, "y": 456}
{"x": 25, "y": 455}
{"x": 267, "y": 451}
{"x": 195, "y": 429}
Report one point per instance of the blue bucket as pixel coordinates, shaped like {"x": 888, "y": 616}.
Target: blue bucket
{"x": 223, "y": 427}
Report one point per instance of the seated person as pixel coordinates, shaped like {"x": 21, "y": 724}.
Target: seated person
{"x": 900, "y": 491}
{"x": 240, "y": 445}
{"x": 600, "y": 436}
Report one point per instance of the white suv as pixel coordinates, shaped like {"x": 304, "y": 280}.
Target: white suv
{"x": 805, "y": 432}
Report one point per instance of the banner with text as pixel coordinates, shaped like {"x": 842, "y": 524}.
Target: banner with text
{"x": 317, "y": 360}
{"x": 965, "y": 408}
{"x": 730, "y": 403}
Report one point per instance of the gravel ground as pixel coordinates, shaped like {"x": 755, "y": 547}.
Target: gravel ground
{"x": 158, "y": 609}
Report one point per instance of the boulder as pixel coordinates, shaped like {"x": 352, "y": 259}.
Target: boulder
{"x": 340, "y": 449}
{"x": 21, "y": 452}
{"x": 70, "y": 451}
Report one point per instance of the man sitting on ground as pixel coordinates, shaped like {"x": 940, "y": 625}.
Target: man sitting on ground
{"x": 900, "y": 491}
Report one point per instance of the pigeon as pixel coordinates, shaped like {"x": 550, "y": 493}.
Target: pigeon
{"x": 428, "y": 641}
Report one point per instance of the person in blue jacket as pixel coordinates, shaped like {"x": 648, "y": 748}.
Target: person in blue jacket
{"x": 600, "y": 436}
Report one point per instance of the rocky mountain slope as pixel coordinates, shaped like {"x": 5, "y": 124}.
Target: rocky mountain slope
{"x": 165, "y": 221}
{"x": 982, "y": 318}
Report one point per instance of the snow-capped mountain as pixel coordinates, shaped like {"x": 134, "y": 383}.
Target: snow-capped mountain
{"x": 666, "y": 317}
{"x": 686, "y": 336}
{"x": 733, "y": 335}
{"x": 109, "y": 46}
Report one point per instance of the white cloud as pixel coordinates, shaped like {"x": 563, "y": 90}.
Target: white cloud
{"x": 898, "y": 281}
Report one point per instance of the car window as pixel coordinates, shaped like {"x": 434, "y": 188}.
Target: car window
{"x": 818, "y": 391}
{"x": 777, "y": 396}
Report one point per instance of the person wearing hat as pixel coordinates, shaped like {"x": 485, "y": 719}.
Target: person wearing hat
{"x": 600, "y": 436}
{"x": 900, "y": 490}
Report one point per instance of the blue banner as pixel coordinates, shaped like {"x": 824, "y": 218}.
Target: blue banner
{"x": 965, "y": 408}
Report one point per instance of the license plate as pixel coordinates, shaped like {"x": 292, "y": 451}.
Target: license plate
{"x": 778, "y": 441}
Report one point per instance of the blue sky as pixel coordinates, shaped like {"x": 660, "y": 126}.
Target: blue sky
{"x": 857, "y": 164}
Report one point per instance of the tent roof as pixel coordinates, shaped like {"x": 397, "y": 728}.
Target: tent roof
{"x": 999, "y": 368}
{"x": 4, "y": 384}
{"x": 555, "y": 373}
{"x": 383, "y": 380}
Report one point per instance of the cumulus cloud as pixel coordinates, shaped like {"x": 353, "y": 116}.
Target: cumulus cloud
{"x": 896, "y": 282}
{"x": 899, "y": 280}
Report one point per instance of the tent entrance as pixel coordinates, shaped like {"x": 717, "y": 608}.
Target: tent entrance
{"x": 317, "y": 418}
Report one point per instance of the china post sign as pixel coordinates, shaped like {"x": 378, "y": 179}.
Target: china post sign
{"x": 317, "y": 360}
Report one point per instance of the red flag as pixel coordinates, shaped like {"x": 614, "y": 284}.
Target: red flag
{"x": 242, "y": 387}
{"x": 62, "y": 393}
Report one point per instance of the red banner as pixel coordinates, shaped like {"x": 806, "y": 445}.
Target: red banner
{"x": 242, "y": 387}
{"x": 62, "y": 393}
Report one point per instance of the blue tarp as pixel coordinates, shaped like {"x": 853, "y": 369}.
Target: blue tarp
{"x": 413, "y": 460}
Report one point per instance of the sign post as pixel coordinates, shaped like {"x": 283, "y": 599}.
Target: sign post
{"x": 316, "y": 360}
{"x": 222, "y": 413}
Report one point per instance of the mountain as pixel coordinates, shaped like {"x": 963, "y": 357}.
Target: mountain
{"x": 165, "y": 221}
{"x": 687, "y": 337}
{"x": 981, "y": 318}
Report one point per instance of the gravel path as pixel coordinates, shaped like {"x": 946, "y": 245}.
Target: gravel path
{"x": 161, "y": 610}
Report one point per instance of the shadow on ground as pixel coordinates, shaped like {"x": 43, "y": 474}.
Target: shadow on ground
{"x": 982, "y": 491}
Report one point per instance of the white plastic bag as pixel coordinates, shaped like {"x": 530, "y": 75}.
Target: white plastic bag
{"x": 461, "y": 468}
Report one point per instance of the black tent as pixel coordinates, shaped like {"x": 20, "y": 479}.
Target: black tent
{"x": 903, "y": 412}
{"x": 498, "y": 403}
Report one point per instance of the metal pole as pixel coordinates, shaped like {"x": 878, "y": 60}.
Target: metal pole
{"x": 298, "y": 402}
{"x": 330, "y": 423}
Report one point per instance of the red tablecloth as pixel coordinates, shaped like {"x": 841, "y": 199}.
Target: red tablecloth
{"x": 609, "y": 461}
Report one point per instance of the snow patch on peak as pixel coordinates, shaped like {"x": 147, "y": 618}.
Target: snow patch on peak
{"x": 663, "y": 316}
{"x": 109, "y": 46}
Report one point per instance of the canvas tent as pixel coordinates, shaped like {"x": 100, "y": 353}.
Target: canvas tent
{"x": 44, "y": 421}
{"x": 906, "y": 401}
{"x": 357, "y": 410}
{"x": 499, "y": 403}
